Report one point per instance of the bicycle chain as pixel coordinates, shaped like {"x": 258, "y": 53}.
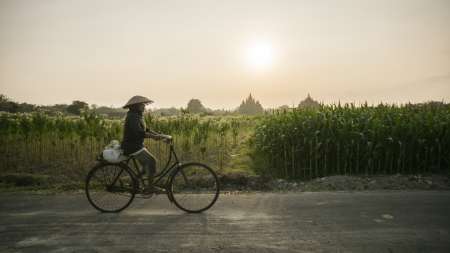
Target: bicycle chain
{"x": 145, "y": 193}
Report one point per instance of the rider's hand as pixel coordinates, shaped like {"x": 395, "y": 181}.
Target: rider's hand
{"x": 158, "y": 137}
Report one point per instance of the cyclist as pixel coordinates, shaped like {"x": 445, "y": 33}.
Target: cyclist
{"x": 134, "y": 133}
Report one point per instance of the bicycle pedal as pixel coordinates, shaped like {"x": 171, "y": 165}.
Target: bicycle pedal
{"x": 146, "y": 193}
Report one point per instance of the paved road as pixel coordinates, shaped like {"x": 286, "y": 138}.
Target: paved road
{"x": 297, "y": 222}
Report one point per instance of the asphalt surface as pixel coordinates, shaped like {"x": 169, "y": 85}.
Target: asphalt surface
{"x": 295, "y": 222}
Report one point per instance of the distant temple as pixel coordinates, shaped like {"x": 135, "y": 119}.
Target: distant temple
{"x": 250, "y": 106}
{"x": 309, "y": 102}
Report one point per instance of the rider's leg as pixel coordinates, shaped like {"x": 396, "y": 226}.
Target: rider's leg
{"x": 150, "y": 182}
{"x": 148, "y": 162}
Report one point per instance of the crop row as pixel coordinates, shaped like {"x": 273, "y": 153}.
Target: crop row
{"x": 343, "y": 139}
{"x": 37, "y": 143}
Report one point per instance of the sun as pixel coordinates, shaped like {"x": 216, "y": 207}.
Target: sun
{"x": 260, "y": 55}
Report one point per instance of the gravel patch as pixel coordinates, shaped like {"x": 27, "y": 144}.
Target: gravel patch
{"x": 238, "y": 183}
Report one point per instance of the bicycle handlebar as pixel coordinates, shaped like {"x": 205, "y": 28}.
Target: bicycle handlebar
{"x": 168, "y": 138}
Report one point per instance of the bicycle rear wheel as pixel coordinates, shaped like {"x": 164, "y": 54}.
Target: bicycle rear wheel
{"x": 110, "y": 187}
{"x": 194, "y": 187}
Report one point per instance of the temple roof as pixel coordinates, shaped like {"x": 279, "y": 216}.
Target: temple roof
{"x": 309, "y": 102}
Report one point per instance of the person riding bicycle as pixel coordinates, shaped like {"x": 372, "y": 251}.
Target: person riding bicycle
{"x": 134, "y": 133}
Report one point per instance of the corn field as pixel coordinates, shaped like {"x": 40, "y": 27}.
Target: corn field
{"x": 39, "y": 144}
{"x": 336, "y": 139}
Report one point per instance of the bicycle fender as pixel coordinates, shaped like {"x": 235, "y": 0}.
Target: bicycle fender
{"x": 170, "y": 178}
{"x": 93, "y": 168}
{"x": 136, "y": 185}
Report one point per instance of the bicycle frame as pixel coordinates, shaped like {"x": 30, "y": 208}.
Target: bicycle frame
{"x": 101, "y": 175}
{"x": 161, "y": 174}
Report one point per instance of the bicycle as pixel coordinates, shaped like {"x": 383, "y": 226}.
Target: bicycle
{"x": 192, "y": 187}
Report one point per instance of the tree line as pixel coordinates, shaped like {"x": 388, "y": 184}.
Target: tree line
{"x": 194, "y": 106}
{"x": 8, "y": 105}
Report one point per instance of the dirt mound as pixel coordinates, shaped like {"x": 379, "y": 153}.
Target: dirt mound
{"x": 240, "y": 182}
{"x": 382, "y": 182}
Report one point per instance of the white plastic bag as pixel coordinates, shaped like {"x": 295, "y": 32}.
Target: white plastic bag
{"x": 113, "y": 153}
{"x": 114, "y": 144}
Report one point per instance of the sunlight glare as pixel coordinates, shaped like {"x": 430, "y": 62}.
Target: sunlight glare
{"x": 260, "y": 55}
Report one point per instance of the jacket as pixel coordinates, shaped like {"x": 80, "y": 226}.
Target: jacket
{"x": 133, "y": 133}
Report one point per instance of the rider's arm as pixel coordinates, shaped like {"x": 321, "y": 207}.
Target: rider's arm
{"x": 153, "y": 136}
{"x": 150, "y": 131}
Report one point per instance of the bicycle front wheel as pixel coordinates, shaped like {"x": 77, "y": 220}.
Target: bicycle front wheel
{"x": 194, "y": 187}
{"x": 110, "y": 187}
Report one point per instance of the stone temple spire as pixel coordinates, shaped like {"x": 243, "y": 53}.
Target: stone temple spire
{"x": 309, "y": 102}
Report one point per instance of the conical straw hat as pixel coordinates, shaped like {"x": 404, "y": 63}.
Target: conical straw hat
{"x": 137, "y": 100}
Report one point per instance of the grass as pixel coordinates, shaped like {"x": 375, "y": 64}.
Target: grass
{"x": 14, "y": 183}
{"x": 50, "y": 188}
{"x": 239, "y": 160}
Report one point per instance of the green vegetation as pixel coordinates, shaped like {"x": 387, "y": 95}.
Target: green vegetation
{"x": 208, "y": 139}
{"x": 13, "y": 182}
{"x": 295, "y": 143}
{"x": 40, "y": 144}
{"x": 76, "y": 106}
{"x": 335, "y": 140}
{"x": 195, "y": 106}
{"x": 7, "y": 105}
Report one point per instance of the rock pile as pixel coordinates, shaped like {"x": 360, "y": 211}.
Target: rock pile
{"x": 248, "y": 183}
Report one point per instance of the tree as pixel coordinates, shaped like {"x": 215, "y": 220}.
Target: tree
{"x": 4, "y": 100}
{"x": 173, "y": 111}
{"x": 75, "y": 107}
{"x": 24, "y": 107}
{"x": 13, "y": 107}
{"x": 184, "y": 111}
{"x": 195, "y": 106}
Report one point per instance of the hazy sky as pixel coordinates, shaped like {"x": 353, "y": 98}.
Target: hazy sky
{"x": 105, "y": 52}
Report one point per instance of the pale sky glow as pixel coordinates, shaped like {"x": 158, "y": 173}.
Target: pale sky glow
{"x": 105, "y": 52}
